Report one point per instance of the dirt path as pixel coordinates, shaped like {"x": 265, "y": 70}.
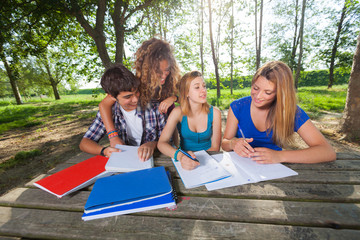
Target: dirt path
{"x": 59, "y": 139}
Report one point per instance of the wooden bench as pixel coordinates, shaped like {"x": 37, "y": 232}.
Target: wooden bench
{"x": 322, "y": 202}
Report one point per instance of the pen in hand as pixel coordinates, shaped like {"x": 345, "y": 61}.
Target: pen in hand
{"x": 188, "y": 155}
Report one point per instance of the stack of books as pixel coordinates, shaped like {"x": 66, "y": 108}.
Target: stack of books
{"x": 140, "y": 188}
{"x": 130, "y": 192}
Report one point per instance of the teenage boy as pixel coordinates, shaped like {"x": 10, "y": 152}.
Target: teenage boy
{"x": 135, "y": 125}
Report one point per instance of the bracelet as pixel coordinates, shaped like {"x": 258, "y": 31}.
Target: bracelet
{"x": 110, "y": 132}
{"x": 175, "y": 155}
{"x": 177, "y": 99}
{"x": 114, "y": 134}
{"x": 102, "y": 151}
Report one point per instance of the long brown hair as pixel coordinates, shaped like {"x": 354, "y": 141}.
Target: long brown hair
{"x": 184, "y": 86}
{"x": 281, "y": 116}
{"x": 147, "y": 67}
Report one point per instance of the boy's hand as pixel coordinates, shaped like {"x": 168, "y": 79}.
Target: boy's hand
{"x": 146, "y": 150}
{"x": 108, "y": 151}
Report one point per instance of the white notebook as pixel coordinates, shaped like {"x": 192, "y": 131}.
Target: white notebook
{"x": 208, "y": 171}
{"x": 127, "y": 160}
{"x": 245, "y": 170}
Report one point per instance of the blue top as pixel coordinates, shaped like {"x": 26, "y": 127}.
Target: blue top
{"x": 193, "y": 141}
{"x": 241, "y": 110}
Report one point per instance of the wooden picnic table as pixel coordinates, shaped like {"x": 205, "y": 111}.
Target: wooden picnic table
{"x": 322, "y": 202}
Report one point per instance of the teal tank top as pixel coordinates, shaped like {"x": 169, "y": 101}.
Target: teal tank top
{"x": 193, "y": 141}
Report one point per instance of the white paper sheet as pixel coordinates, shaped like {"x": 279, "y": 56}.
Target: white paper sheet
{"x": 245, "y": 170}
{"x": 127, "y": 160}
{"x": 208, "y": 171}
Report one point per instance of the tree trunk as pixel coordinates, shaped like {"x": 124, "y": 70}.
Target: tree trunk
{"x": 53, "y": 82}
{"x": 295, "y": 39}
{"x": 256, "y": 38}
{"x": 334, "y": 49}
{"x": 232, "y": 47}
{"x": 214, "y": 54}
{"x": 301, "y": 35}
{"x": 202, "y": 37}
{"x": 351, "y": 120}
{"x": 12, "y": 77}
{"x": 258, "y": 58}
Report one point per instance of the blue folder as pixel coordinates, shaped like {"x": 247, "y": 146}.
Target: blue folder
{"x": 129, "y": 189}
{"x": 167, "y": 200}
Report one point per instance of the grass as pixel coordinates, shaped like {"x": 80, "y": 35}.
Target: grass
{"x": 19, "y": 159}
{"x": 314, "y": 100}
{"x": 38, "y": 111}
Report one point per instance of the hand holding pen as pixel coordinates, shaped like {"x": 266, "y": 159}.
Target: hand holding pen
{"x": 242, "y": 146}
{"x": 188, "y": 160}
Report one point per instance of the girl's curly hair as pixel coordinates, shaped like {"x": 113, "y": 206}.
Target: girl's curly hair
{"x": 147, "y": 62}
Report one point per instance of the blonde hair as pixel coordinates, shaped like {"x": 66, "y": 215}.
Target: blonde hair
{"x": 184, "y": 87}
{"x": 147, "y": 66}
{"x": 281, "y": 116}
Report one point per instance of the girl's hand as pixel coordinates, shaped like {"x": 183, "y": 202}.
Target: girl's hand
{"x": 164, "y": 105}
{"x": 265, "y": 155}
{"x": 108, "y": 151}
{"x": 242, "y": 147}
{"x": 186, "y": 162}
{"x": 115, "y": 140}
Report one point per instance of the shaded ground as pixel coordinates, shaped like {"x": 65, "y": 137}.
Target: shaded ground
{"x": 59, "y": 139}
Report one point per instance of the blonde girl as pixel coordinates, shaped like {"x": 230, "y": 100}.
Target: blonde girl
{"x": 198, "y": 123}
{"x": 269, "y": 117}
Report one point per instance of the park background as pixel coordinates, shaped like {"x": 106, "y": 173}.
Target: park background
{"x": 51, "y": 50}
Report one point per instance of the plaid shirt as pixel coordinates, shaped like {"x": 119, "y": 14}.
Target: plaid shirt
{"x": 153, "y": 124}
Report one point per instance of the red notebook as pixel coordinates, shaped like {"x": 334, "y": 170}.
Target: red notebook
{"x": 75, "y": 177}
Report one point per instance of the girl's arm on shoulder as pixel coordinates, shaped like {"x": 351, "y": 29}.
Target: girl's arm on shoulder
{"x": 165, "y": 104}
{"x": 216, "y": 134}
{"x": 319, "y": 149}
{"x": 106, "y": 115}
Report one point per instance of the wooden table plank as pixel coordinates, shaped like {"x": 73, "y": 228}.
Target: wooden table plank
{"x": 304, "y": 175}
{"x": 342, "y": 215}
{"x": 281, "y": 191}
{"x": 272, "y": 190}
{"x": 67, "y": 225}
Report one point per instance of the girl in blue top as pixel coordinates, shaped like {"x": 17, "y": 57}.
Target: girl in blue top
{"x": 259, "y": 126}
{"x": 198, "y": 123}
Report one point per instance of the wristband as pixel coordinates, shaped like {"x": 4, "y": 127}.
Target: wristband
{"x": 102, "y": 151}
{"x": 175, "y": 155}
{"x": 177, "y": 98}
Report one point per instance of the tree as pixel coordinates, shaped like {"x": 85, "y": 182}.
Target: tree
{"x": 232, "y": 46}
{"x": 201, "y": 36}
{"x": 351, "y": 120}
{"x": 301, "y": 35}
{"x": 335, "y": 45}
{"x": 258, "y": 38}
{"x": 121, "y": 13}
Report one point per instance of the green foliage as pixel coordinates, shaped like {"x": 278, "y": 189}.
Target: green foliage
{"x": 20, "y": 159}
{"x": 307, "y": 78}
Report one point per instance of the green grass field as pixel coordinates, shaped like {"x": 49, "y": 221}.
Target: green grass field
{"x": 36, "y": 111}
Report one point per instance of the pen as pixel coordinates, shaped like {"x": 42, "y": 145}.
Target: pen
{"x": 242, "y": 134}
{"x": 188, "y": 155}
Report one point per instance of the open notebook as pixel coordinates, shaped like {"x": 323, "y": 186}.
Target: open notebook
{"x": 245, "y": 170}
{"x": 208, "y": 171}
{"x": 127, "y": 160}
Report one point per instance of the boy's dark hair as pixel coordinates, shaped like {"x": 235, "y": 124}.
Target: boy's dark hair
{"x": 118, "y": 79}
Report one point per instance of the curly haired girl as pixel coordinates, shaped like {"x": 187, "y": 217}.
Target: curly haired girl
{"x": 158, "y": 72}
